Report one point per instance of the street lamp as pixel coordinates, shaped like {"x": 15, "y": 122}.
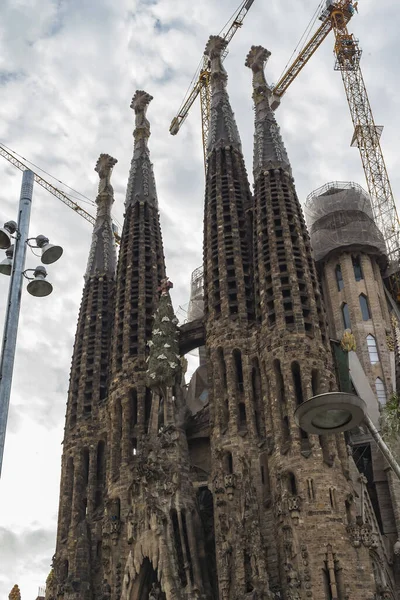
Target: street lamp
{"x": 13, "y": 266}
{"x": 336, "y": 412}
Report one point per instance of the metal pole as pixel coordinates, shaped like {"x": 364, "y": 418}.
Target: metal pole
{"x": 382, "y": 446}
{"x": 13, "y": 305}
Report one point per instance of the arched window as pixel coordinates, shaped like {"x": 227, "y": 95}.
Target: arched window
{"x": 380, "y": 391}
{"x": 372, "y": 349}
{"x": 346, "y": 316}
{"x": 358, "y": 274}
{"x": 366, "y": 315}
{"x": 339, "y": 277}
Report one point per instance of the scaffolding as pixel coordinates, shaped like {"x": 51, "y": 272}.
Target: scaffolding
{"x": 339, "y": 216}
{"x": 196, "y": 303}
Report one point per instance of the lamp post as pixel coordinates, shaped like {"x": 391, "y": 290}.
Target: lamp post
{"x": 336, "y": 412}
{"x": 14, "y": 266}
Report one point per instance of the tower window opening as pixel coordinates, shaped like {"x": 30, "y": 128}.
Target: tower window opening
{"x": 237, "y": 357}
{"x": 242, "y": 416}
{"x": 133, "y": 407}
{"x": 380, "y": 391}
{"x": 228, "y": 463}
{"x": 372, "y": 350}
{"x": 366, "y": 315}
{"x": 147, "y": 409}
{"x": 339, "y": 277}
{"x": 298, "y": 388}
{"x": 346, "y": 316}
{"x": 292, "y": 485}
{"x": 86, "y": 466}
{"x": 178, "y": 548}
{"x": 100, "y": 463}
{"x": 160, "y": 424}
{"x": 280, "y": 386}
{"x": 358, "y": 274}
{"x": 315, "y": 382}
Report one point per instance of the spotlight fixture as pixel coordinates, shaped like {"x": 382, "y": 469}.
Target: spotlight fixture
{"x": 5, "y": 234}
{"x": 50, "y": 253}
{"x": 38, "y": 286}
{"x": 6, "y": 264}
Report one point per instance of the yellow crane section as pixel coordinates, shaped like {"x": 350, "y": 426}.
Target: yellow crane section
{"x": 366, "y": 136}
{"x": 51, "y": 188}
{"x": 202, "y": 84}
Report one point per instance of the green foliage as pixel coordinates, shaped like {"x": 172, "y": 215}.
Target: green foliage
{"x": 391, "y": 417}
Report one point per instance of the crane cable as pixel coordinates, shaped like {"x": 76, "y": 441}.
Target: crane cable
{"x": 82, "y": 198}
{"x": 197, "y": 72}
{"x": 304, "y": 37}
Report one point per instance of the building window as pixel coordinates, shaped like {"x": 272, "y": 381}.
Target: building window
{"x": 366, "y": 315}
{"x": 358, "y": 274}
{"x": 339, "y": 277}
{"x": 346, "y": 316}
{"x": 372, "y": 349}
{"x": 380, "y": 391}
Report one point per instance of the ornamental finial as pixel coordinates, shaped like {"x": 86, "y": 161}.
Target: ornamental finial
{"x": 139, "y": 104}
{"x": 104, "y": 167}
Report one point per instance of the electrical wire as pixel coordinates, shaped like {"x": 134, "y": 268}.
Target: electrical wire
{"x": 84, "y": 198}
{"x": 304, "y": 37}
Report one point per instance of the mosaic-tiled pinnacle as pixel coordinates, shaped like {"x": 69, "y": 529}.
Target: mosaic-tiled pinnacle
{"x": 223, "y": 129}
{"x": 269, "y": 149}
{"x": 141, "y": 182}
{"x": 102, "y": 256}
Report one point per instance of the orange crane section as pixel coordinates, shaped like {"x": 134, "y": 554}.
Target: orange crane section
{"x": 202, "y": 84}
{"x": 366, "y": 135}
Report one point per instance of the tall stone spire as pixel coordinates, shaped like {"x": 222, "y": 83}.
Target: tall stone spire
{"x": 141, "y": 182}
{"x": 269, "y": 149}
{"x": 310, "y": 475}
{"x": 223, "y": 129}
{"x": 85, "y": 439}
{"x": 102, "y": 256}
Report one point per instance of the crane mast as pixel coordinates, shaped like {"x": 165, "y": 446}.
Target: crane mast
{"x": 366, "y": 135}
{"x": 202, "y": 85}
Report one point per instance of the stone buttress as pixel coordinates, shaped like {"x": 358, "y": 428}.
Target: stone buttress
{"x": 312, "y": 508}
{"x": 236, "y": 415}
{"x": 77, "y": 564}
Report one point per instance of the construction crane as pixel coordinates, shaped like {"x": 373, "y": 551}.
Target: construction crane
{"x": 202, "y": 84}
{"x": 51, "y": 188}
{"x": 366, "y": 137}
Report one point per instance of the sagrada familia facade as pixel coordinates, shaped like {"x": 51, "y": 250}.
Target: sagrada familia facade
{"x": 235, "y": 501}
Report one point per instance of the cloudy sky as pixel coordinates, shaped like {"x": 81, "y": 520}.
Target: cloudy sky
{"x": 68, "y": 70}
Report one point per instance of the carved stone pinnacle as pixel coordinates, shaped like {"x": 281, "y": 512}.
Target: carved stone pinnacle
{"x": 104, "y": 164}
{"x": 104, "y": 167}
{"x": 140, "y": 101}
{"x": 257, "y": 58}
{"x": 215, "y": 46}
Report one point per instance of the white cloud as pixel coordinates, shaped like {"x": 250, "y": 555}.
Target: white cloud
{"x": 68, "y": 70}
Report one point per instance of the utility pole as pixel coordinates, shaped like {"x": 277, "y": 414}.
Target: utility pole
{"x": 14, "y": 304}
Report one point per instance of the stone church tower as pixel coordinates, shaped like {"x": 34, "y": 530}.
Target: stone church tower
{"x": 232, "y": 502}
